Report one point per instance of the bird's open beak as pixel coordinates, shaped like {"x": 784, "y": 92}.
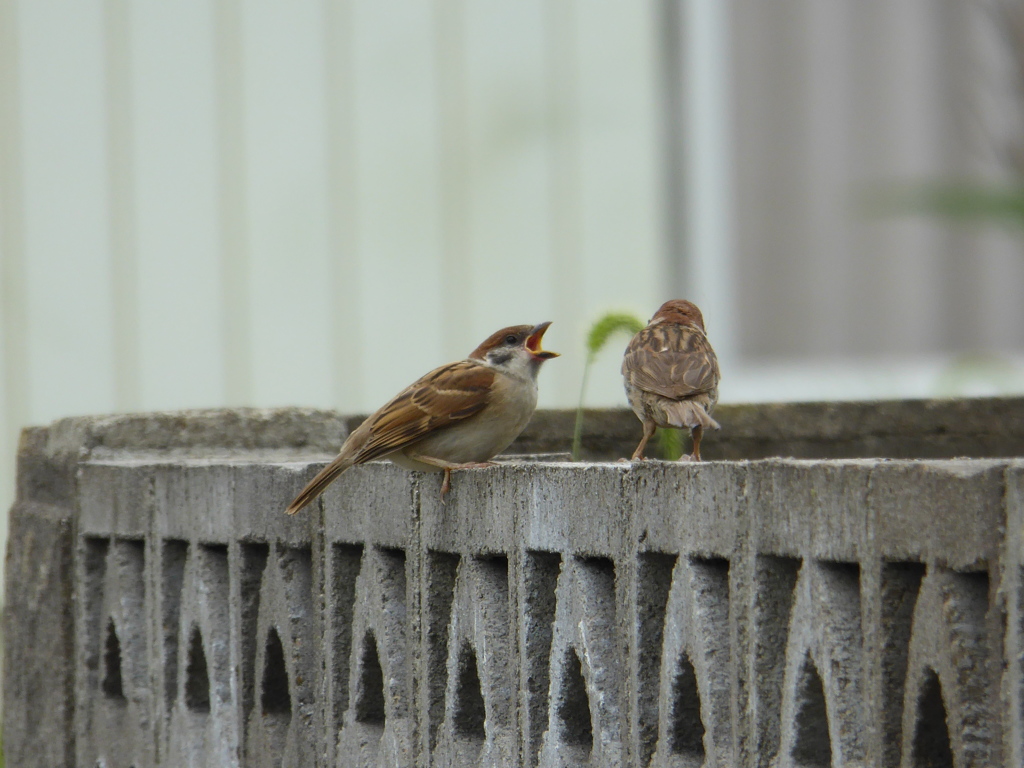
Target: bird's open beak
{"x": 533, "y": 343}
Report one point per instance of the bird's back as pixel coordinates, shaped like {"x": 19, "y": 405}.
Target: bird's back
{"x": 671, "y": 375}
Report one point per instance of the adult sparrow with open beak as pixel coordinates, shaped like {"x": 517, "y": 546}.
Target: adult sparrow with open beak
{"x": 671, "y": 374}
{"x": 458, "y": 416}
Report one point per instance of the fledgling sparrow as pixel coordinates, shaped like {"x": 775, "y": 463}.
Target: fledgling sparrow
{"x": 458, "y": 416}
{"x": 671, "y": 374}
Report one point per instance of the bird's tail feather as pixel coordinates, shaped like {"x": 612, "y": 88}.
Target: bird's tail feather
{"x": 688, "y": 414}
{"x": 318, "y": 484}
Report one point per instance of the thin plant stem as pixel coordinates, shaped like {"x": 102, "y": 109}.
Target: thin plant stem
{"x": 596, "y": 339}
{"x": 577, "y": 431}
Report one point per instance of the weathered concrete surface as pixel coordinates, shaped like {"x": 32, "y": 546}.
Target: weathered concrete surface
{"x": 161, "y": 609}
{"x": 895, "y": 429}
{"x": 39, "y": 637}
{"x": 43, "y": 546}
{"x": 38, "y": 630}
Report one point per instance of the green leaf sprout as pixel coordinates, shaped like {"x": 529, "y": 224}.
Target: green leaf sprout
{"x": 600, "y": 332}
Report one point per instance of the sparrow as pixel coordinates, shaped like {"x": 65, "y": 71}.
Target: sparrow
{"x": 457, "y": 416}
{"x": 671, "y": 374}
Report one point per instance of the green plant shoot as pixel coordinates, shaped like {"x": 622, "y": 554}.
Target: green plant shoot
{"x": 671, "y": 443}
{"x": 600, "y": 332}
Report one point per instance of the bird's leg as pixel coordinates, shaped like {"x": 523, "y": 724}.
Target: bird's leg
{"x": 448, "y": 466}
{"x": 649, "y": 428}
{"x": 696, "y": 433}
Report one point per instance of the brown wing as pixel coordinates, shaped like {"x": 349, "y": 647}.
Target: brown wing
{"x": 444, "y": 396}
{"x": 670, "y": 360}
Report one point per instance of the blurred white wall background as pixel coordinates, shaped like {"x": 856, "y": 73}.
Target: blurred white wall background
{"x": 246, "y": 202}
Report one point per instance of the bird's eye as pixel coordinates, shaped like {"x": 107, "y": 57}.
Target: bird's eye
{"x": 511, "y": 340}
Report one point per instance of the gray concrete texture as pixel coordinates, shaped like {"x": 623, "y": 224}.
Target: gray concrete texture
{"x": 161, "y": 609}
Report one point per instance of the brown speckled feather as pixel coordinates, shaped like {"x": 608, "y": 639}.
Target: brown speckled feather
{"x": 670, "y": 360}
{"x": 422, "y": 408}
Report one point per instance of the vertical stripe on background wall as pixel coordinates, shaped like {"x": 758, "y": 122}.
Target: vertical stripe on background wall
{"x": 234, "y": 254}
{"x": 563, "y": 113}
{"x": 672, "y": 138}
{"x": 453, "y": 151}
{"x": 13, "y": 308}
{"x": 123, "y": 241}
{"x": 708, "y": 168}
{"x": 343, "y": 239}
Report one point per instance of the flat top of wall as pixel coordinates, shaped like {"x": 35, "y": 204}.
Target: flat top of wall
{"x": 935, "y": 429}
{"x": 276, "y": 431}
{"x": 905, "y": 429}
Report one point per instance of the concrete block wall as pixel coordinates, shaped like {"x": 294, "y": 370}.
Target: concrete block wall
{"x": 162, "y": 611}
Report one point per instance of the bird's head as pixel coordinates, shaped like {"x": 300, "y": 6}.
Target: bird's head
{"x": 681, "y": 312}
{"x": 515, "y": 349}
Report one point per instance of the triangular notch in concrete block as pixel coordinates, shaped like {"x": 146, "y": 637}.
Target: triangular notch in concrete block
{"x": 931, "y": 733}
{"x": 275, "y": 698}
{"x": 370, "y": 692}
{"x": 686, "y": 734}
{"x": 812, "y": 746}
{"x": 574, "y": 705}
{"x": 197, "y": 677}
{"x": 469, "y": 700}
{"x": 112, "y": 684}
